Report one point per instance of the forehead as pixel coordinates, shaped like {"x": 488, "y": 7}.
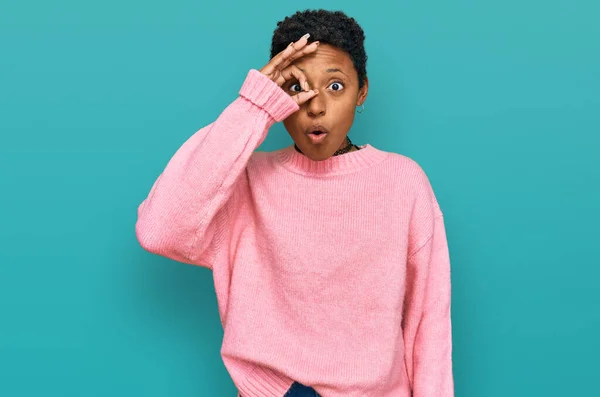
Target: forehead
{"x": 326, "y": 56}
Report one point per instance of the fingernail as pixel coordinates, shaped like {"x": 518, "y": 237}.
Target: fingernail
{"x": 316, "y": 42}
{"x": 306, "y": 36}
{"x": 306, "y": 85}
{"x": 289, "y": 45}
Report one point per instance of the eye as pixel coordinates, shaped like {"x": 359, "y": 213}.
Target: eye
{"x": 337, "y": 86}
{"x": 296, "y": 85}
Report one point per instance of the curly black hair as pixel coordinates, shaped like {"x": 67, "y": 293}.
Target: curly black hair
{"x": 328, "y": 27}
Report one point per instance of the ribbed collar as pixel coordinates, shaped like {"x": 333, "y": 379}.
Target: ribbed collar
{"x": 335, "y": 165}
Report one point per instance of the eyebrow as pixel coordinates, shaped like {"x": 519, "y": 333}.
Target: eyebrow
{"x": 330, "y": 70}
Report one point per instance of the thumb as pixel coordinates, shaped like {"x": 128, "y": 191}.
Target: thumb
{"x": 304, "y": 96}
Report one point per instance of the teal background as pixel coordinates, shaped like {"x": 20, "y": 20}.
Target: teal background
{"x": 498, "y": 101}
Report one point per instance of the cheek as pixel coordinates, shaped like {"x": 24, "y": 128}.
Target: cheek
{"x": 344, "y": 111}
{"x": 291, "y": 123}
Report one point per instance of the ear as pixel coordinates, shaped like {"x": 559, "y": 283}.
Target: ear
{"x": 362, "y": 93}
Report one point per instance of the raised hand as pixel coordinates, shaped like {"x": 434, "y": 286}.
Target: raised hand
{"x": 280, "y": 70}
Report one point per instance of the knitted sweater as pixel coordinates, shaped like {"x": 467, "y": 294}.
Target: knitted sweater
{"x": 333, "y": 273}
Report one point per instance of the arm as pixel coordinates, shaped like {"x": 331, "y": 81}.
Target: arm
{"x": 427, "y": 316}
{"x": 184, "y": 215}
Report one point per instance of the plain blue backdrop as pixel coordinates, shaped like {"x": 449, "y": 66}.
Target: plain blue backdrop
{"x": 497, "y": 100}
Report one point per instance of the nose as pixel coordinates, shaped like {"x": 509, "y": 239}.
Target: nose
{"x": 316, "y": 106}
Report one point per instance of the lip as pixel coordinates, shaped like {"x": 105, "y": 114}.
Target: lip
{"x": 316, "y": 127}
{"x": 316, "y": 138}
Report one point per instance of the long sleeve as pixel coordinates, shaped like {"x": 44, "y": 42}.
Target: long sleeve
{"x": 427, "y": 327}
{"x": 185, "y": 215}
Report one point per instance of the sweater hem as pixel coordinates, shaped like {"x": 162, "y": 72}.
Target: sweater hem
{"x": 264, "y": 382}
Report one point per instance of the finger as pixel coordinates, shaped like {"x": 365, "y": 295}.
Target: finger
{"x": 312, "y": 47}
{"x": 292, "y": 72}
{"x": 271, "y": 67}
{"x": 281, "y": 58}
{"x": 288, "y": 52}
{"x": 304, "y": 96}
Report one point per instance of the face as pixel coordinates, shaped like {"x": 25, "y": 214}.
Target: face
{"x": 330, "y": 70}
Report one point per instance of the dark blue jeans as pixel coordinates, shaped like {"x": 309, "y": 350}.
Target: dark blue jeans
{"x": 299, "y": 390}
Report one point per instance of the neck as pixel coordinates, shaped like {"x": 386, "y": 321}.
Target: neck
{"x": 350, "y": 162}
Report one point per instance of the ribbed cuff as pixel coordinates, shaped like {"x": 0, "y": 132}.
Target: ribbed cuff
{"x": 265, "y": 93}
{"x": 264, "y": 382}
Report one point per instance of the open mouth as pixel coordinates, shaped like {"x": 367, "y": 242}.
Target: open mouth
{"x": 317, "y": 136}
{"x": 316, "y": 129}
{"x": 316, "y": 133}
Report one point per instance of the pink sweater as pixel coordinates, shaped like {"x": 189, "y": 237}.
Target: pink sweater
{"x": 333, "y": 273}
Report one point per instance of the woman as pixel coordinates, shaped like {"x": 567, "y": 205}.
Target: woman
{"x": 329, "y": 259}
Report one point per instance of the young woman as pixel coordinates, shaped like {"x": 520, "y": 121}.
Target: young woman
{"x": 330, "y": 260}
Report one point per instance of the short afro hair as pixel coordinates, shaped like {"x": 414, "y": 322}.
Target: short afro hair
{"x": 328, "y": 27}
